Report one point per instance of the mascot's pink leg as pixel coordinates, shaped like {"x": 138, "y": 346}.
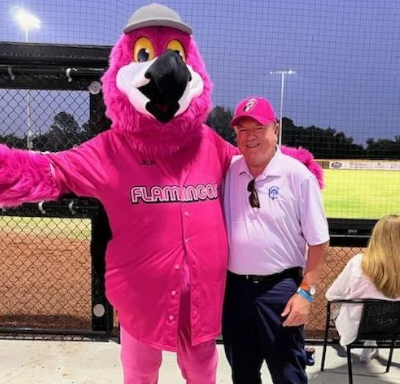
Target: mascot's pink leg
{"x": 140, "y": 362}
{"x": 198, "y": 363}
{"x": 25, "y": 176}
{"x": 306, "y": 157}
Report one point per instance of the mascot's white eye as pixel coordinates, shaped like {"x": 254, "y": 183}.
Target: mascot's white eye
{"x": 175, "y": 45}
{"x": 143, "y": 50}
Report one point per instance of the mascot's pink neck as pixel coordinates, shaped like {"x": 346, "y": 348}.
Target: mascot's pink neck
{"x": 153, "y": 139}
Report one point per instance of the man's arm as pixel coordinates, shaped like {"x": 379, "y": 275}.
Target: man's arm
{"x": 298, "y": 308}
{"x": 315, "y": 263}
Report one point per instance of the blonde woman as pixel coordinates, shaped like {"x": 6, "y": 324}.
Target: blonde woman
{"x": 374, "y": 275}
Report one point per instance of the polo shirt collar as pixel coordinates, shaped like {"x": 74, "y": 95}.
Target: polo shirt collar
{"x": 274, "y": 167}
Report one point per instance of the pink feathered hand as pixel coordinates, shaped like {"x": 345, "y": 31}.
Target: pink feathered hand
{"x": 306, "y": 157}
{"x": 25, "y": 176}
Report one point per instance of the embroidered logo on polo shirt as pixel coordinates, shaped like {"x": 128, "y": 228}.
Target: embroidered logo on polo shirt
{"x": 273, "y": 192}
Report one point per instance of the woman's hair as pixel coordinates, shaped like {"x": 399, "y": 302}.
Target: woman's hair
{"x": 381, "y": 261}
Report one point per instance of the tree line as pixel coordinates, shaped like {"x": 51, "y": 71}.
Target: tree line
{"x": 324, "y": 143}
{"x": 64, "y": 133}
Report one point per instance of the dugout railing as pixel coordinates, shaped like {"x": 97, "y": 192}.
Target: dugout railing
{"x": 53, "y": 253}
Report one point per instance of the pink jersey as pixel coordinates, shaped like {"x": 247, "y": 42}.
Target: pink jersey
{"x": 157, "y": 219}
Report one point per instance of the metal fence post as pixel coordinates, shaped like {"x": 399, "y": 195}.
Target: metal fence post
{"x": 102, "y": 311}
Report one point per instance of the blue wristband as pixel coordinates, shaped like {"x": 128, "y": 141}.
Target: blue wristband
{"x": 305, "y": 295}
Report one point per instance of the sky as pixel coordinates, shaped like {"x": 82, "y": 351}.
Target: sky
{"x": 346, "y": 53}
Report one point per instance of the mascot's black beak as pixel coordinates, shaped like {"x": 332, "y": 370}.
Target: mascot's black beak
{"x": 168, "y": 76}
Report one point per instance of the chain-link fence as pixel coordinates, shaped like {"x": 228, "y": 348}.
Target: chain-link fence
{"x": 50, "y": 281}
{"x": 337, "y": 258}
{"x": 348, "y": 238}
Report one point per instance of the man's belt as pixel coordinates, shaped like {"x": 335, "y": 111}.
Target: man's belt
{"x": 274, "y": 278}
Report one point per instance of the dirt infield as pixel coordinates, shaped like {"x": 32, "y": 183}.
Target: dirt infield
{"x": 45, "y": 282}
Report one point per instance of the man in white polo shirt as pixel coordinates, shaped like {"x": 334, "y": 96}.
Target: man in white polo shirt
{"x": 278, "y": 236}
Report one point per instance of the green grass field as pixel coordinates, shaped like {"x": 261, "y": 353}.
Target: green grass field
{"x": 361, "y": 194}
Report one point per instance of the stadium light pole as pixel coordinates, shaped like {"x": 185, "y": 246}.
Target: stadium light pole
{"x": 27, "y": 21}
{"x": 282, "y": 73}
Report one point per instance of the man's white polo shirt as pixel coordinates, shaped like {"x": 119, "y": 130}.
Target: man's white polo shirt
{"x": 274, "y": 237}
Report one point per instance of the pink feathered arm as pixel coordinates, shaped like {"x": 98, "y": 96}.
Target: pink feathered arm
{"x": 306, "y": 157}
{"x": 25, "y": 176}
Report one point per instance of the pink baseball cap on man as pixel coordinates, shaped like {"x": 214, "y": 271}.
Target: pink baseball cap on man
{"x": 258, "y": 108}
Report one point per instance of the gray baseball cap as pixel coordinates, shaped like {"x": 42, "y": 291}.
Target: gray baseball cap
{"x": 156, "y": 15}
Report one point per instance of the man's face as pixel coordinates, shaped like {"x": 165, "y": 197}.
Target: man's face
{"x": 256, "y": 142}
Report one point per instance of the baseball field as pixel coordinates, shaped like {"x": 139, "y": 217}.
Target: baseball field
{"x": 361, "y": 194}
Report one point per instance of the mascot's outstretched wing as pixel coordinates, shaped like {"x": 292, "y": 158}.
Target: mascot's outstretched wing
{"x": 306, "y": 157}
{"x": 25, "y": 176}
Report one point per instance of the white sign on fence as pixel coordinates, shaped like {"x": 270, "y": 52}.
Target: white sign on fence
{"x": 367, "y": 165}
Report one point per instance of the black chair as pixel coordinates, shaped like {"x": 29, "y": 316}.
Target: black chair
{"x": 380, "y": 321}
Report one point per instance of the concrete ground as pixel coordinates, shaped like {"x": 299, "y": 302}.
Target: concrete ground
{"x": 71, "y": 362}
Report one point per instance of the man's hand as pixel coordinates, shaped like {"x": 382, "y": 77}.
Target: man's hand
{"x": 296, "y": 310}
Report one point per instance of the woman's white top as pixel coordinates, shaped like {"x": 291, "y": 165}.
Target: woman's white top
{"x": 352, "y": 284}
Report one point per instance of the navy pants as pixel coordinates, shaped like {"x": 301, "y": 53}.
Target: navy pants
{"x": 253, "y": 332}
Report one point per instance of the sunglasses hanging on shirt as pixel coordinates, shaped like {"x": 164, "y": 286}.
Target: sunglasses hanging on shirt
{"x": 253, "y": 197}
